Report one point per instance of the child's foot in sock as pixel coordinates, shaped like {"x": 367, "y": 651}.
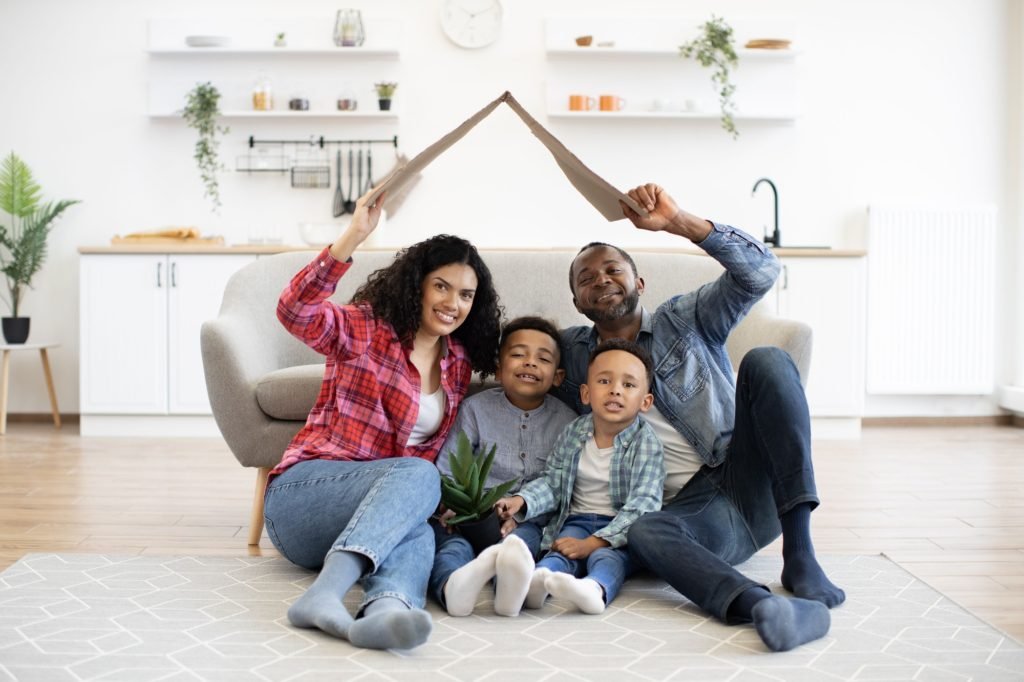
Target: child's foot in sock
{"x": 586, "y": 593}
{"x": 387, "y": 623}
{"x": 804, "y": 577}
{"x": 787, "y": 623}
{"x": 464, "y": 585}
{"x": 321, "y": 606}
{"x": 537, "y": 593}
{"x": 513, "y": 570}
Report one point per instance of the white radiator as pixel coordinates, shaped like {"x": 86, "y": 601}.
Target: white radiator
{"x": 931, "y": 300}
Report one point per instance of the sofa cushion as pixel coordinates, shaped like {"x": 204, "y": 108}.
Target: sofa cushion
{"x": 290, "y": 393}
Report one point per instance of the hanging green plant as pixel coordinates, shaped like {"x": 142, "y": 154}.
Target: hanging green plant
{"x": 715, "y": 48}
{"x": 201, "y": 112}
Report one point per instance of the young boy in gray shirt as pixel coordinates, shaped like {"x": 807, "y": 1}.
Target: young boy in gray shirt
{"x": 523, "y": 422}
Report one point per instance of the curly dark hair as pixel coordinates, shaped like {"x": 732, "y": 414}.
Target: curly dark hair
{"x": 630, "y": 347}
{"x": 395, "y": 294}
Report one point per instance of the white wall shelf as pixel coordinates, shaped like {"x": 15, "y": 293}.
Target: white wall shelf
{"x": 339, "y": 52}
{"x": 241, "y": 113}
{"x": 668, "y": 115}
{"x": 744, "y": 54}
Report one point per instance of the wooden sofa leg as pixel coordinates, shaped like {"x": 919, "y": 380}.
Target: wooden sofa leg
{"x": 256, "y": 519}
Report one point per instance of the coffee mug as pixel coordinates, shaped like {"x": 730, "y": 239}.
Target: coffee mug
{"x": 581, "y": 103}
{"x": 347, "y": 104}
{"x": 612, "y": 103}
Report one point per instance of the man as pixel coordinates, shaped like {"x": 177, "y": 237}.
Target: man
{"x": 738, "y": 459}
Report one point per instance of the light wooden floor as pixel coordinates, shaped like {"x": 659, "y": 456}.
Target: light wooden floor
{"x": 946, "y": 503}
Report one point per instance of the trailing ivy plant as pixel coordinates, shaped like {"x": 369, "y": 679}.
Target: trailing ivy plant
{"x": 201, "y": 112}
{"x": 715, "y": 48}
{"x": 24, "y": 241}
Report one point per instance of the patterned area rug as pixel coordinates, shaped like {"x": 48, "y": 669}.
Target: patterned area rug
{"x": 94, "y": 617}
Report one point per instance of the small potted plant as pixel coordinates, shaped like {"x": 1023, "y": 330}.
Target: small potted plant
{"x": 23, "y": 244}
{"x": 201, "y": 112}
{"x": 464, "y": 494}
{"x": 280, "y": 40}
{"x": 715, "y": 48}
{"x": 385, "y": 91}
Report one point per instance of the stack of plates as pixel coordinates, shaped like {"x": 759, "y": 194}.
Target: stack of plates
{"x": 207, "y": 41}
{"x": 767, "y": 44}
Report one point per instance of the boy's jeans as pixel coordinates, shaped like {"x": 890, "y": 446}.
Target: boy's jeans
{"x": 378, "y": 509}
{"x": 608, "y": 566}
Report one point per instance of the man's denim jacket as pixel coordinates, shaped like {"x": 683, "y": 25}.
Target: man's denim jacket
{"x": 693, "y": 378}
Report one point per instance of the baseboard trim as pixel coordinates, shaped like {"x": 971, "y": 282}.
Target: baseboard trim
{"x": 978, "y": 420}
{"x": 40, "y": 417}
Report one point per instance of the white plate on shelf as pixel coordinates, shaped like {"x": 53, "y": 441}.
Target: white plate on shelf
{"x": 207, "y": 41}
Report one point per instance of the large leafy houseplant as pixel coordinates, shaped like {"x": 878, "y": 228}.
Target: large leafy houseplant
{"x": 24, "y": 241}
{"x": 466, "y": 495}
{"x": 201, "y": 112}
{"x": 715, "y": 47}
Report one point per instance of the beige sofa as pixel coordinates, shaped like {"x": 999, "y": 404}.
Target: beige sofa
{"x": 262, "y": 382}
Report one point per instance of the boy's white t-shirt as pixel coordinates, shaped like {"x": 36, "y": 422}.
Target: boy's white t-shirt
{"x": 591, "y": 493}
{"x": 431, "y": 413}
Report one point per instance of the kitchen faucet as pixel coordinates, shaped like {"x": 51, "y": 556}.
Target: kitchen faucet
{"x": 775, "y": 237}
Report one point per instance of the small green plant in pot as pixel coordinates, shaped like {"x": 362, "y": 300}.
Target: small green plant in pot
{"x": 465, "y": 493}
{"x": 201, "y": 112}
{"x": 385, "y": 91}
{"x": 23, "y": 243}
{"x": 715, "y": 47}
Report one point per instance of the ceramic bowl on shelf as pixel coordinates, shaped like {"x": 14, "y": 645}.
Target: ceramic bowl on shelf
{"x": 207, "y": 41}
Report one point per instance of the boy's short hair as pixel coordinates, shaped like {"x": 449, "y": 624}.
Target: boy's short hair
{"x": 630, "y": 347}
{"x": 535, "y": 323}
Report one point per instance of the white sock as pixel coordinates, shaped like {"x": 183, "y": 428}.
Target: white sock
{"x": 586, "y": 593}
{"x": 537, "y": 593}
{"x": 513, "y": 568}
{"x": 464, "y": 585}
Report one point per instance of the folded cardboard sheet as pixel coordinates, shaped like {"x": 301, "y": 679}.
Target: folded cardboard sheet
{"x": 594, "y": 189}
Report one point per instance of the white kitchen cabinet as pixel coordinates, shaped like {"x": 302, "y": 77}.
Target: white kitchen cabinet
{"x": 140, "y": 321}
{"x": 829, "y": 293}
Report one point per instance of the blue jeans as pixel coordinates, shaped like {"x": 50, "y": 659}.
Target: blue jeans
{"x": 608, "y": 566}
{"x": 454, "y": 551}
{"x": 377, "y": 508}
{"x": 723, "y": 515}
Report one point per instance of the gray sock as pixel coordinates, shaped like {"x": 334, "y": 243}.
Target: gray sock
{"x": 321, "y": 606}
{"x": 787, "y": 623}
{"x": 387, "y": 623}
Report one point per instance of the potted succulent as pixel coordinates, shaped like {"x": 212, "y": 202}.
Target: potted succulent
{"x": 465, "y": 494}
{"x": 23, "y": 244}
{"x": 385, "y": 91}
{"x": 201, "y": 112}
{"x": 715, "y": 48}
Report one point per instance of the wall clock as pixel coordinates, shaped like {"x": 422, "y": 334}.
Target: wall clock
{"x": 471, "y": 23}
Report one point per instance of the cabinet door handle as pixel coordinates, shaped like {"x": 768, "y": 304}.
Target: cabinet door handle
{"x": 174, "y": 272}
{"x": 159, "y": 269}
{"x": 785, "y": 277}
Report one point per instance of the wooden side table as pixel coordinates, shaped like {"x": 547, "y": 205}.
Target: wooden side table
{"x": 7, "y": 349}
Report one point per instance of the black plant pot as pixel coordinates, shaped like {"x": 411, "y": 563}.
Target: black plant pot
{"x": 385, "y": 104}
{"x": 15, "y": 329}
{"x": 483, "y": 533}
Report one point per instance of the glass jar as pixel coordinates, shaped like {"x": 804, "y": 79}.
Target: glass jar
{"x": 262, "y": 94}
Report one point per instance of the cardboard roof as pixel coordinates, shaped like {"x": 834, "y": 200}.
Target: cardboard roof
{"x": 594, "y": 189}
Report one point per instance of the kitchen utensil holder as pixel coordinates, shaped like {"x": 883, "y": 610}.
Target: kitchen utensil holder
{"x": 311, "y": 177}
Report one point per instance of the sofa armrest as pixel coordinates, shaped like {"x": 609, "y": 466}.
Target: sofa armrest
{"x": 796, "y": 338}
{"x": 232, "y": 364}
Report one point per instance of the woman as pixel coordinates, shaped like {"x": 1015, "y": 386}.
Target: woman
{"x": 357, "y": 484}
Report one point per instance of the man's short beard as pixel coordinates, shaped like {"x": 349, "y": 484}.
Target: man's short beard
{"x": 628, "y": 305}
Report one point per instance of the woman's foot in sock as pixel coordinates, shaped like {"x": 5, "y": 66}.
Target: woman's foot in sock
{"x": 513, "y": 570}
{"x": 803, "y": 576}
{"x": 538, "y": 593}
{"x": 464, "y": 585}
{"x": 585, "y": 593}
{"x": 387, "y": 623}
{"x": 321, "y": 606}
{"x": 787, "y": 623}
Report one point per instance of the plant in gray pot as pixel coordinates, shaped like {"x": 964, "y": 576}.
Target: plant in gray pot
{"x": 23, "y": 242}
{"x": 465, "y": 493}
